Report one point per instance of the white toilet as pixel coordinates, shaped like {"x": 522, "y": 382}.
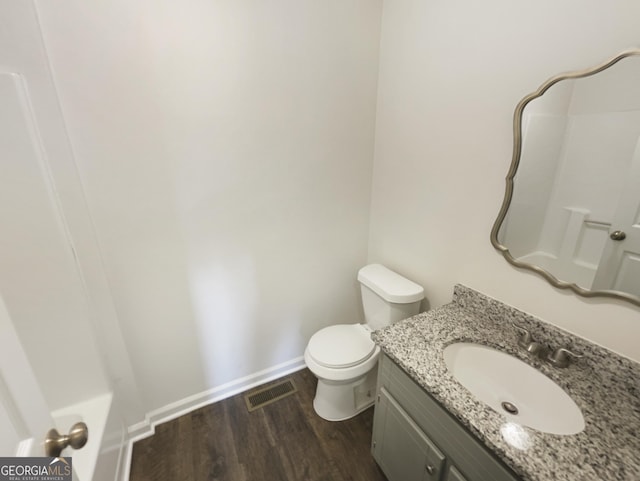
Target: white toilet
{"x": 343, "y": 356}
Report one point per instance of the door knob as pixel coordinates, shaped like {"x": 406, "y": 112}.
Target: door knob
{"x": 618, "y": 235}
{"x": 55, "y": 442}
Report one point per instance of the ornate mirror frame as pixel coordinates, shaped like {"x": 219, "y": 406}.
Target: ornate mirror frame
{"x": 517, "y": 152}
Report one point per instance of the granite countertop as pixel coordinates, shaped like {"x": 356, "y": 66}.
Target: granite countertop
{"x": 604, "y": 385}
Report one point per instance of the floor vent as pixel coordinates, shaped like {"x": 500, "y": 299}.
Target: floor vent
{"x": 262, "y": 396}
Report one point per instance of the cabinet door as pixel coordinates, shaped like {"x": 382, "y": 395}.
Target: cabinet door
{"x": 400, "y": 447}
{"x": 454, "y": 475}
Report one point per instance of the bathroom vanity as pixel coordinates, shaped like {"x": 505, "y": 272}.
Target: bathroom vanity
{"x": 427, "y": 426}
{"x": 415, "y": 439}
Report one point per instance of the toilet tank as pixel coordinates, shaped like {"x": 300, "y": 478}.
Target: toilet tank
{"x": 387, "y": 297}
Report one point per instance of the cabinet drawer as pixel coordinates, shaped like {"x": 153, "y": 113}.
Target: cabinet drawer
{"x": 473, "y": 460}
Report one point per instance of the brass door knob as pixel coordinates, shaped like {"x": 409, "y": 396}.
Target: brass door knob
{"x": 618, "y": 235}
{"x": 55, "y": 442}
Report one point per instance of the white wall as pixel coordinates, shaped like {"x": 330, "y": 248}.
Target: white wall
{"x": 225, "y": 148}
{"x": 451, "y": 74}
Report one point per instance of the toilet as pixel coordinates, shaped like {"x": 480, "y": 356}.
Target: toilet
{"x": 344, "y": 358}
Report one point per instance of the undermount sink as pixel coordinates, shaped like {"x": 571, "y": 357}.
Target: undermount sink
{"x": 513, "y": 388}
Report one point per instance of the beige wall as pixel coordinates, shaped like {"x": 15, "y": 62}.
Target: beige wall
{"x": 225, "y": 148}
{"x": 451, "y": 73}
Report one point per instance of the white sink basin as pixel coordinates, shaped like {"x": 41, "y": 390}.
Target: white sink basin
{"x": 511, "y": 387}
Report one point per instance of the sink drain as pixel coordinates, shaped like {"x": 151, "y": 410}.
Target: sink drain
{"x": 509, "y": 407}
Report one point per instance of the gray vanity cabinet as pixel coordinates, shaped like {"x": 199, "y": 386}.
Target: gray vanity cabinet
{"x": 415, "y": 439}
{"x": 401, "y": 449}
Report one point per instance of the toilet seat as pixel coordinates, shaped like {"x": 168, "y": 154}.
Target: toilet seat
{"x": 341, "y": 346}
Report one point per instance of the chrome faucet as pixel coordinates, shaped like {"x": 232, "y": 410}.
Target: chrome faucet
{"x": 562, "y": 357}
{"x": 526, "y": 342}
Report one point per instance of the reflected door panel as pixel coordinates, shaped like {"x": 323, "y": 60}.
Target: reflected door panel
{"x": 620, "y": 266}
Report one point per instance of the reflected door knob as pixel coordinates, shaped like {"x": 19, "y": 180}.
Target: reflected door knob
{"x": 618, "y": 235}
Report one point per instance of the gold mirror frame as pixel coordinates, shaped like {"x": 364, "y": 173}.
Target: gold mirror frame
{"x": 517, "y": 151}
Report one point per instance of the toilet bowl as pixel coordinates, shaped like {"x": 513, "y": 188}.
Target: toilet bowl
{"x": 345, "y": 387}
{"x": 343, "y": 357}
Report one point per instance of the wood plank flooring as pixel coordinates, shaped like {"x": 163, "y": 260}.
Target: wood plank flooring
{"x": 283, "y": 441}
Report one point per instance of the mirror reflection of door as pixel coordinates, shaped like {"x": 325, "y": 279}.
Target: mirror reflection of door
{"x": 619, "y": 268}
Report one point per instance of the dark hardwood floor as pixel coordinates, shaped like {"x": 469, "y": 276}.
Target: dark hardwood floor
{"x": 283, "y": 441}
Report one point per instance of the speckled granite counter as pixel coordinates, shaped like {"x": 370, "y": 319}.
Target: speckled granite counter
{"x": 604, "y": 385}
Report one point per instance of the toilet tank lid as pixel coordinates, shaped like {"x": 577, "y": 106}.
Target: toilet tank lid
{"x": 390, "y": 286}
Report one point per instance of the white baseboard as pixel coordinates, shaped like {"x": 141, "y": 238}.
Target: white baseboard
{"x": 146, "y": 428}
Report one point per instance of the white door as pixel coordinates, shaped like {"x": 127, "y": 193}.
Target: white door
{"x": 39, "y": 284}
{"x": 26, "y": 234}
{"x": 620, "y": 264}
{"x": 57, "y": 318}
{"x": 24, "y": 414}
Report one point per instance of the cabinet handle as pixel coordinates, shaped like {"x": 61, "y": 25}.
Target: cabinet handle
{"x": 430, "y": 469}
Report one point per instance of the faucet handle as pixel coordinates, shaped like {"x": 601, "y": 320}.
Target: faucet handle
{"x": 561, "y": 357}
{"x": 524, "y": 338}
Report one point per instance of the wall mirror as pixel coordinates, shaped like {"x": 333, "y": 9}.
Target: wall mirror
{"x": 571, "y": 210}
